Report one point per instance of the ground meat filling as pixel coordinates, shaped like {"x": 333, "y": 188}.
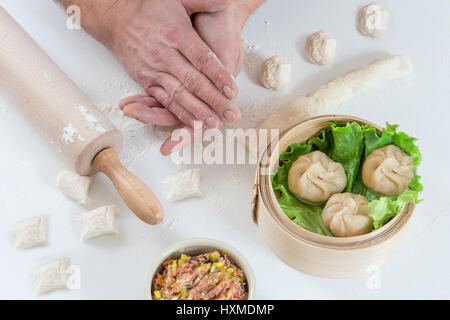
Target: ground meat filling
{"x": 209, "y": 276}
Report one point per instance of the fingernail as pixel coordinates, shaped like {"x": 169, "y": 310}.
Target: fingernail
{"x": 211, "y": 122}
{"x": 229, "y": 93}
{"x": 229, "y": 115}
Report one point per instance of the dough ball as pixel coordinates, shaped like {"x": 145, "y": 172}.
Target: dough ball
{"x": 321, "y": 47}
{"x": 347, "y": 215}
{"x": 388, "y": 171}
{"x": 373, "y": 20}
{"x": 275, "y": 73}
{"x": 314, "y": 177}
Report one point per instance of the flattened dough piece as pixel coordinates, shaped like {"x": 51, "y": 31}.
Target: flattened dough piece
{"x": 97, "y": 223}
{"x": 53, "y": 276}
{"x": 31, "y": 233}
{"x": 338, "y": 90}
{"x": 74, "y": 186}
{"x": 183, "y": 185}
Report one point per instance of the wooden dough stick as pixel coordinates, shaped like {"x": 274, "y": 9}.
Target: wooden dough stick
{"x": 337, "y": 91}
{"x": 137, "y": 196}
{"x": 64, "y": 114}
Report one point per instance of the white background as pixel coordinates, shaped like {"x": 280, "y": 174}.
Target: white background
{"x": 114, "y": 267}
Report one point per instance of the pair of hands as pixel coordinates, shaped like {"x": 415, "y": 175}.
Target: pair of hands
{"x": 184, "y": 53}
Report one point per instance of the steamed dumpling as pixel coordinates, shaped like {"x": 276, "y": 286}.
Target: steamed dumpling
{"x": 388, "y": 171}
{"x": 347, "y": 215}
{"x": 314, "y": 177}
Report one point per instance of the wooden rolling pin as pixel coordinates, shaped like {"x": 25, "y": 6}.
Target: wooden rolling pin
{"x": 85, "y": 138}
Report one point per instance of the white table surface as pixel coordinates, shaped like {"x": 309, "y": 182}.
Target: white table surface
{"x": 114, "y": 267}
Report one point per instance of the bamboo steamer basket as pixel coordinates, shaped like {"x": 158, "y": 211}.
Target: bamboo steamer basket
{"x": 306, "y": 251}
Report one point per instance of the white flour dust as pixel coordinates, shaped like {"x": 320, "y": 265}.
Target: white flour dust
{"x": 91, "y": 119}
{"x": 138, "y": 137}
{"x": 69, "y": 132}
{"x": 169, "y": 223}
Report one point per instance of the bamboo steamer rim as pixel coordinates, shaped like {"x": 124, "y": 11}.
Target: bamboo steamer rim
{"x": 269, "y": 161}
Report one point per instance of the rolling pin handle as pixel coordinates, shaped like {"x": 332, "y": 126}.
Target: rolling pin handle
{"x": 136, "y": 195}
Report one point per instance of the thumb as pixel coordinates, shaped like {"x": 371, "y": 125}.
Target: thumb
{"x": 196, "y": 6}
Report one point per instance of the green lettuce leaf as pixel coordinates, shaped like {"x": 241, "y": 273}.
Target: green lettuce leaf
{"x": 360, "y": 188}
{"x": 348, "y": 147}
{"x": 307, "y": 216}
{"x": 385, "y": 208}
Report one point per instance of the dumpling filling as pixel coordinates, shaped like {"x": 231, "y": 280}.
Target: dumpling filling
{"x": 209, "y": 276}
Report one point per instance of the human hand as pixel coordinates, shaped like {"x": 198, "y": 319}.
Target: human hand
{"x": 221, "y": 30}
{"x": 156, "y": 43}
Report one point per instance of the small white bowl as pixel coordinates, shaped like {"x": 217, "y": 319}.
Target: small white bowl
{"x": 198, "y": 246}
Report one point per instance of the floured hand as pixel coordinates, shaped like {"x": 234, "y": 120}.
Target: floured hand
{"x": 221, "y": 31}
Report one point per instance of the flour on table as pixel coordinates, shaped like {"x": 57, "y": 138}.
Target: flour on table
{"x": 234, "y": 176}
{"x": 97, "y": 223}
{"x": 253, "y": 60}
{"x": 138, "y": 137}
{"x": 31, "y": 233}
{"x": 249, "y": 45}
{"x": 109, "y": 109}
{"x": 53, "y": 276}
{"x": 223, "y": 202}
{"x": 169, "y": 223}
{"x": 82, "y": 84}
{"x": 267, "y": 25}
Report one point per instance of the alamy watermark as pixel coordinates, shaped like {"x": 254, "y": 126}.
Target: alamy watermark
{"x": 74, "y": 278}
{"x": 373, "y": 281}
{"x": 73, "y": 21}
{"x": 212, "y": 146}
